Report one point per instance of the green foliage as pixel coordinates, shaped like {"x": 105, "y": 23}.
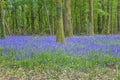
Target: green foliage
{"x": 58, "y": 60}
{"x": 19, "y": 18}
{"x": 88, "y": 67}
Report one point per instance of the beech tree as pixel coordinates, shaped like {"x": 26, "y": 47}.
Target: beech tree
{"x": 109, "y": 16}
{"x": 67, "y": 19}
{"x": 79, "y": 17}
{"x": 59, "y": 30}
{"x": 91, "y": 20}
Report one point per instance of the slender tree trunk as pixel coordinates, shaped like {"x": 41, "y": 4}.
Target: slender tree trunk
{"x": 115, "y": 29}
{"x": 103, "y": 17}
{"x": 28, "y": 23}
{"x": 39, "y": 20}
{"x": 111, "y": 16}
{"x": 32, "y": 19}
{"x": 53, "y": 25}
{"x": 39, "y": 17}
{"x": 118, "y": 16}
{"x": 60, "y": 31}
{"x": 80, "y": 19}
{"x": 108, "y": 18}
{"x": 91, "y": 20}
{"x": 16, "y": 19}
{"x": 99, "y": 23}
{"x": 13, "y": 21}
{"x": 2, "y": 25}
{"x": 7, "y": 28}
{"x": 48, "y": 18}
{"x": 75, "y": 21}
{"x": 27, "y": 19}
{"x": 22, "y": 16}
{"x": 67, "y": 19}
{"x": 51, "y": 16}
{"x": 84, "y": 16}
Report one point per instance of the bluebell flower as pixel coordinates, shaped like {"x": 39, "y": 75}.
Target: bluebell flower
{"x": 77, "y": 45}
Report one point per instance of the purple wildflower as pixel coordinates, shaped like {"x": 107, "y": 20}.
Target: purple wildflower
{"x": 78, "y": 45}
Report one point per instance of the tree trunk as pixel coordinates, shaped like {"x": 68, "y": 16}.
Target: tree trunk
{"x": 67, "y": 19}
{"x": 91, "y": 20}
{"x": 16, "y": 19}
{"x": 22, "y": 17}
{"x": 32, "y": 19}
{"x": 109, "y": 17}
{"x": 103, "y": 17}
{"x": 60, "y": 31}
{"x": 13, "y": 20}
{"x": 48, "y": 18}
{"x": 118, "y": 16}
{"x": 75, "y": 18}
{"x": 99, "y": 24}
{"x": 39, "y": 17}
{"x": 2, "y": 25}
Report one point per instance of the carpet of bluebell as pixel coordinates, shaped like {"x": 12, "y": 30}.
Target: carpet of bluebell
{"x": 78, "y": 45}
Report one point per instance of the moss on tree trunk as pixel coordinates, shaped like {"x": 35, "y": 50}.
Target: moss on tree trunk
{"x": 59, "y": 28}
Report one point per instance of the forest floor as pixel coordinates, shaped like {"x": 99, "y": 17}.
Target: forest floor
{"x": 41, "y": 58}
{"x": 63, "y": 67}
{"x": 36, "y": 74}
